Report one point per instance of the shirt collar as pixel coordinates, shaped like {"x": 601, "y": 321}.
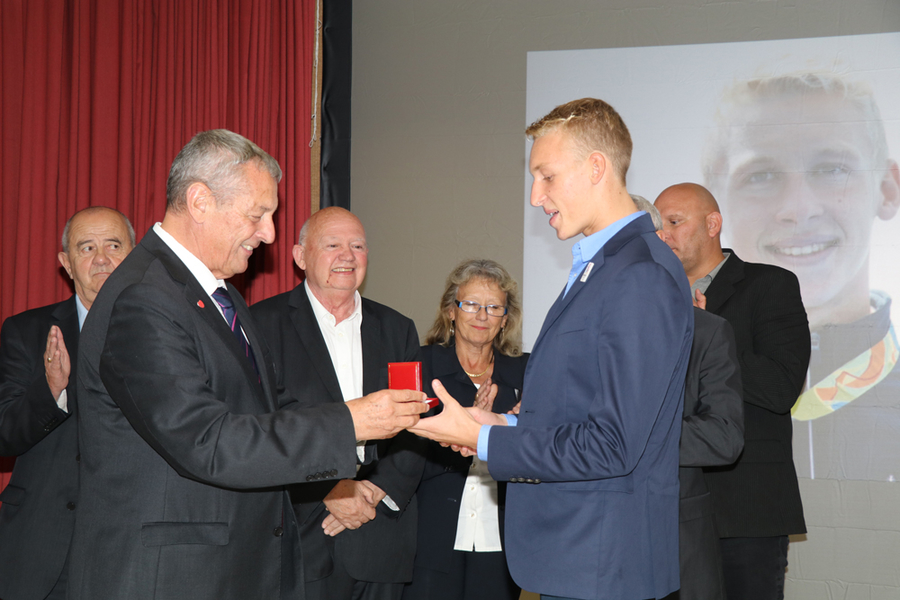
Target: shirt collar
{"x": 585, "y": 249}
{"x": 704, "y": 282}
{"x": 322, "y": 314}
{"x": 201, "y": 272}
{"x": 81, "y": 310}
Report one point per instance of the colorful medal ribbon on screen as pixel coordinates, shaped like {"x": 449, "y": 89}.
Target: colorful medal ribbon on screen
{"x": 848, "y": 382}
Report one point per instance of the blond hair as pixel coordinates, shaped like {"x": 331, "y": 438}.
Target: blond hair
{"x": 593, "y": 125}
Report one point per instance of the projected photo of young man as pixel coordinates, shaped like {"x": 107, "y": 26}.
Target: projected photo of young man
{"x": 800, "y": 165}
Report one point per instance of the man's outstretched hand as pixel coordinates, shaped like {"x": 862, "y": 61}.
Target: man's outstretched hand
{"x": 386, "y": 413}
{"x": 456, "y": 426}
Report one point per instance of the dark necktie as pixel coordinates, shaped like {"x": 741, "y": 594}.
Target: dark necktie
{"x": 223, "y": 298}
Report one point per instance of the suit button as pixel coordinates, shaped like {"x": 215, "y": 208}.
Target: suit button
{"x": 278, "y": 531}
{"x": 529, "y": 481}
{"x": 309, "y": 477}
{"x": 77, "y": 458}
{"x": 537, "y": 481}
{"x": 70, "y": 506}
{"x": 333, "y": 473}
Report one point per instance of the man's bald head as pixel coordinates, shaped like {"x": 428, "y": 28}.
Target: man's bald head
{"x": 692, "y": 225}
{"x": 322, "y": 216}
{"x": 694, "y": 193}
{"x": 332, "y": 250}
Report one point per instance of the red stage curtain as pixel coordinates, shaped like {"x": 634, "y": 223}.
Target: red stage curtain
{"x": 98, "y": 96}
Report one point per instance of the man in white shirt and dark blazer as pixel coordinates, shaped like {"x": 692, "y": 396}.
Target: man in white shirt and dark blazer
{"x": 331, "y": 345}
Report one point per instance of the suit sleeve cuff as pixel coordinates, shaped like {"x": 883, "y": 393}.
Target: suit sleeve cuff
{"x": 390, "y": 504}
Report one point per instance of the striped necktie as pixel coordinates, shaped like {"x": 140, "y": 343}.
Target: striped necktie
{"x": 223, "y": 298}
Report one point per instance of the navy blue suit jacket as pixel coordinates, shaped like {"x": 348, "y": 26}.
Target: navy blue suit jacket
{"x": 592, "y": 507}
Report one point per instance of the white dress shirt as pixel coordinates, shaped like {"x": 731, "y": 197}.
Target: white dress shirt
{"x": 344, "y": 343}
{"x": 478, "y": 526}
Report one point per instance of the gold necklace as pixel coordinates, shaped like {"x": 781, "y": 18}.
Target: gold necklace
{"x": 474, "y": 376}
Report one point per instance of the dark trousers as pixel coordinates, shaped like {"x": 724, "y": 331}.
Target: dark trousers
{"x": 754, "y": 568}
{"x": 672, "y": 596}
{"x": 341, "y": 586}
{"x": 470, "y": 576}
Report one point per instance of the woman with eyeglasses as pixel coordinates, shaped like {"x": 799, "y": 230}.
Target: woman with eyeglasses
{"x": 474, "y": 349}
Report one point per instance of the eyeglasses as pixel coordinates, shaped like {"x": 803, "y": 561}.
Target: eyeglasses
{"x": 494, "y": 310}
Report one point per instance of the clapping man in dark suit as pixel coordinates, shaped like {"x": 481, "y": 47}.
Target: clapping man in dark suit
{"x": 757, "y": 499}
{"x": 185, "y": 444}
{"x": 331, "y": 345}
{"x": 592, "y": 504}
{"x": 37, "y": 398}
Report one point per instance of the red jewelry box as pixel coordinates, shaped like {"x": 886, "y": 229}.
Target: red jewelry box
{"x": 407, "y": 376}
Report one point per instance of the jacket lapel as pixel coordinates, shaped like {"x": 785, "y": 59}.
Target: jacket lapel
{"x": 196, "y": 297}
{"x": 722, "y": 287}
{"x": 304, "y": 321}
{"x": 257, "y": 346}
{"x": 372, "y": 351}
{"x": 633, "y": 229}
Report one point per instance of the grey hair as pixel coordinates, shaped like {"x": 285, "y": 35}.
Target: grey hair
{"x": 215, "y": 158}
{"x": 93, "y": 209}
{"x": 304, "y": 232}
{"x": 643, "y": 204}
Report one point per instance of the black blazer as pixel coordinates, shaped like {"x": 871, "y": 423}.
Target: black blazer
{"x": 183, "y": 451}
{"x": 758, "y": 496}
{"x": 383, "y": 549}
{"x": 444, "y": 476}
{"x": 712, "y": 433}
{"x": 38, "y": 511}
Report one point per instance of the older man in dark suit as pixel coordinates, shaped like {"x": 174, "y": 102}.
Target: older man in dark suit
{"x": 331, "y": 345}
{"x": 185, "y": 447}
{"x": 37, "y": 396}
{"x": 757, "y": 499}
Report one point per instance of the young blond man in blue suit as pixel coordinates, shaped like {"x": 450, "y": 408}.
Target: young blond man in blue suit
{"x": 592, "y": 505}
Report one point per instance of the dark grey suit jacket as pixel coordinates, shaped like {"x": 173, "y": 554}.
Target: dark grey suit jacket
{"x": 758, "y": 496}
{"x": 184, "y": 452}
{"x": 712, "y": 433}
{"x": 38, "y": 511}
{"x": 383, "y": 549}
